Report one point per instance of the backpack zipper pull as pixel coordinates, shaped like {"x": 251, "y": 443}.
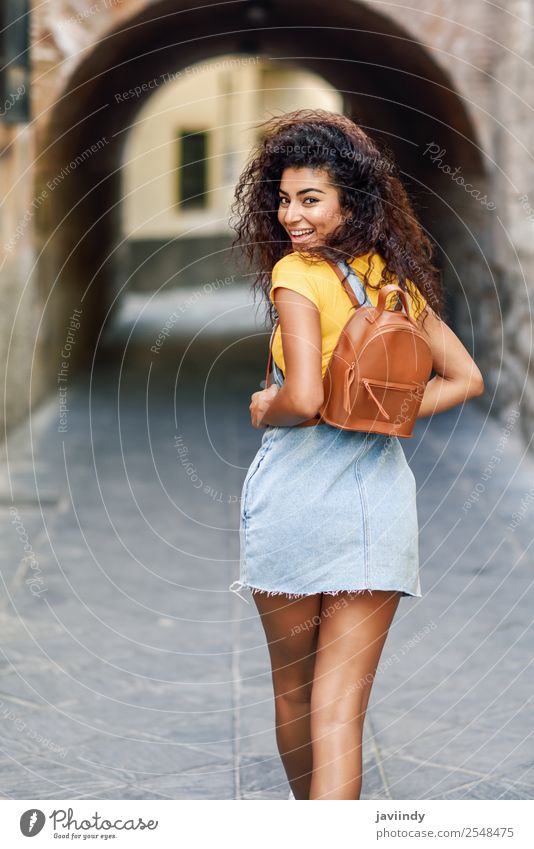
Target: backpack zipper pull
{"x": 375, "y": 399}
{"x": 349, "y": 378}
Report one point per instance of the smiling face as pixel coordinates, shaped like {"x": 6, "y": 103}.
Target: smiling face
{"x": 308, "y": 202}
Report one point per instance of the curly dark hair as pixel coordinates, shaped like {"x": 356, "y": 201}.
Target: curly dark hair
{"x": 377, "y": 215}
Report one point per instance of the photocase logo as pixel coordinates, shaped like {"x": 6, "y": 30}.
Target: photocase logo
{"x": 32, "y": 822}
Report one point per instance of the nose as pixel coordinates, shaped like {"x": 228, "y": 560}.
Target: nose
{"x": 292, "y": 214}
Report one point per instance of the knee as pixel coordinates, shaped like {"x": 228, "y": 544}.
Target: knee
{"x": 293, "y": 692}
{"x": 330, "y": 712}
{"x": 292, "y": 678}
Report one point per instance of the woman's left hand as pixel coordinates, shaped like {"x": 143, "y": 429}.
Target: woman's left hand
{"x": 260, "y": 402}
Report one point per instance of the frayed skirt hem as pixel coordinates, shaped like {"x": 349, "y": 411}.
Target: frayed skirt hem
{"x": 236, "y": 586}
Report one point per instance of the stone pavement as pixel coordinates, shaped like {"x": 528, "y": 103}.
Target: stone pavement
{"x": 129, "y": 671}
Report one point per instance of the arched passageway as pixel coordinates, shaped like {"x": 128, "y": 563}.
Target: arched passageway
{"x": 388, "y": 83}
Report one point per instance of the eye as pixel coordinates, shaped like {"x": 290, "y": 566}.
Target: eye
{"x": 313, "y": 200}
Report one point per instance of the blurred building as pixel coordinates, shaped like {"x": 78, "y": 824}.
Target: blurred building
{"x": 183, "y": 156}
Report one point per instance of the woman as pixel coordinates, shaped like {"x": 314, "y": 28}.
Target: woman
{"x": 329, "y": 533}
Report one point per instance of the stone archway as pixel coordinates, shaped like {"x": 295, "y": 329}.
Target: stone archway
{"x": 389, "y": 83}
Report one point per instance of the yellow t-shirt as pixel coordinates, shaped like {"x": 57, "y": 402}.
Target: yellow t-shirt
{"x": 321, "y": 285}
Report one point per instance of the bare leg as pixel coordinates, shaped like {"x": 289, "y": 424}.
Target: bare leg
{"x": 351, "y": 639}
{"x": 291, "y": 629}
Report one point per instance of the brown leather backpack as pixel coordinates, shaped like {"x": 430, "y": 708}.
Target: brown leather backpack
{"x": 376, "y": 376}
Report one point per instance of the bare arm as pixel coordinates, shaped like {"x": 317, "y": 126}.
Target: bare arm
{"x": 302, "y": 393}
{"x": 457, "y": 376}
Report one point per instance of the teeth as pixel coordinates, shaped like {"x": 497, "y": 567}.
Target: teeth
{"x": 300, "y": 232}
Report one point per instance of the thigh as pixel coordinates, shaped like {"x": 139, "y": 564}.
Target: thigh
{"x": 352, "y": 634}
{"x": 291, "y": 627}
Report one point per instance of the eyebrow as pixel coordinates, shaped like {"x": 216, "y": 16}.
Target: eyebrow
{"x": 302, "y": 191}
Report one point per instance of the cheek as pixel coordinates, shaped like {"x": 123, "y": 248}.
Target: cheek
{"x": 329, "y": 217}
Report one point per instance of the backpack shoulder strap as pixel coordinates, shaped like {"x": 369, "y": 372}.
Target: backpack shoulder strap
{"x": 268, "y": 380}
{"x": 348, "y": 288}
{"x": 344, "y": 282}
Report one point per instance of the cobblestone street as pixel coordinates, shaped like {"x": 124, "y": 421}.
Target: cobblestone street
{"x": 128, "y": 670}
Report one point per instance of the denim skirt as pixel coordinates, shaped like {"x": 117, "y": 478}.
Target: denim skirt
{"x": 325, "y": 510}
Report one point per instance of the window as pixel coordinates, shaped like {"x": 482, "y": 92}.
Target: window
{"x": 14, "y": 61}
{"x": 192, "y": 169}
